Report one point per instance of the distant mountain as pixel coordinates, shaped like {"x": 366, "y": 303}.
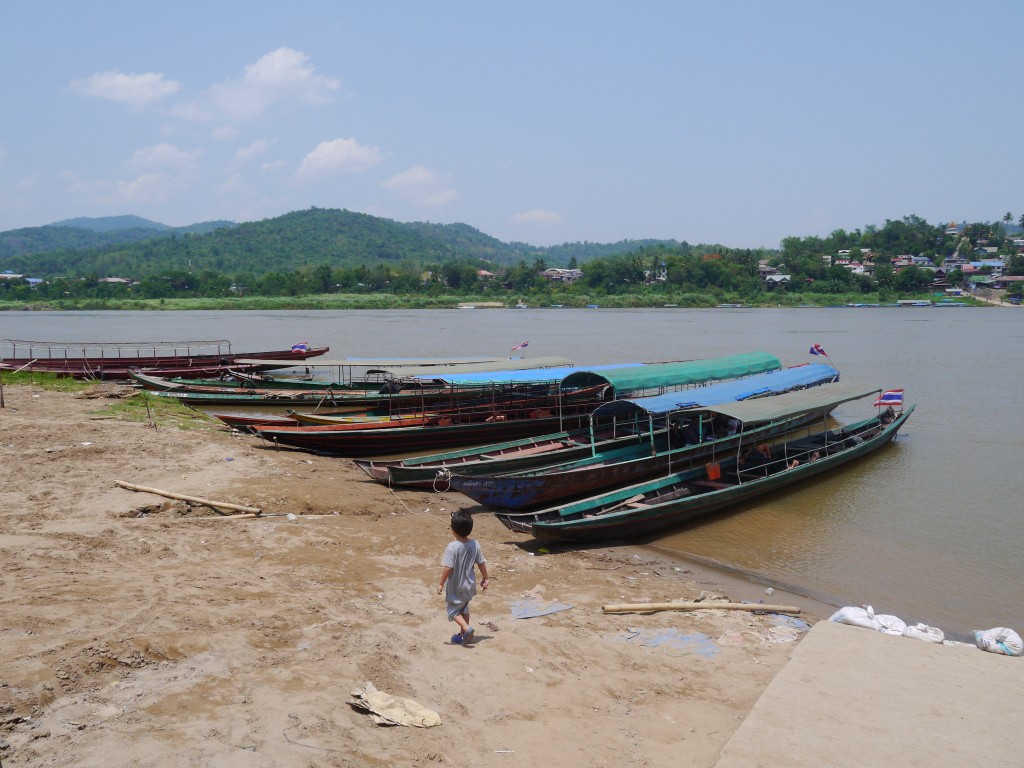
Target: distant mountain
{"x": 313, "y": 237}
{"x": 126, "y": 223}
{"x": 111, "y": 223}
{"x": 86, "y": 233}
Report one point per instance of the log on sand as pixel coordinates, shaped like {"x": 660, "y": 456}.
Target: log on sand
{"x": 255, "y": 511}
{"x": 710, "y": 606}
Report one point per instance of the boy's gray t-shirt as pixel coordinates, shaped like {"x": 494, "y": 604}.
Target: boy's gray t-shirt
{"x": 461, "y": 557}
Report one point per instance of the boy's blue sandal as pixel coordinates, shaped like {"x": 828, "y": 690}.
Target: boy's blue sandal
{"x": 468, "y": 637}
{"x": 456, "y": 639}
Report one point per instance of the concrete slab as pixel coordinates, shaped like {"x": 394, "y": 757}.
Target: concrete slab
{"x": 853, "y": 697}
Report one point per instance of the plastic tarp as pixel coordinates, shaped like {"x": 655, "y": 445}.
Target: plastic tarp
{"x": 773, "y": 382}
{"x": 668, "y": 375}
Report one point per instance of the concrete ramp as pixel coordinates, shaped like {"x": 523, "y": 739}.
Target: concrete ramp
{"x": 853, "y": 697}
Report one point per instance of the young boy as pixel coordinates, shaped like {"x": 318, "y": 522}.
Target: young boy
{"x": 459, "y": 558}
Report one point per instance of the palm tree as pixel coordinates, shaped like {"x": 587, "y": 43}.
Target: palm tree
{"x": 1008, "y": 218}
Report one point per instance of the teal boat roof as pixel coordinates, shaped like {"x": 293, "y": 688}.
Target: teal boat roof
{"x": 773, "y": 382}
{"x": 674, "y": 375}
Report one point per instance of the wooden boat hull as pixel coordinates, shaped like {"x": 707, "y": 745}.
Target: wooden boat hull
{"x": 382, "y": 438}
{"x": 648, "y": 508}
{"x": 247, "y": 423}
{"x": 535, "y": 488}
{"x": 422, "y": 471}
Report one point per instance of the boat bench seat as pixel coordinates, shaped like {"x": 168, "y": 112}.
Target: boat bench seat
{"x": 713, "y": 484}
{"x": 808, "y": 445}
{"x": 524, "y": 452}
{"x": 753, "y": 474}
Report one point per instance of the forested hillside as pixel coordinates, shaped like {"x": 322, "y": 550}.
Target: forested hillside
{"x": 302, "y": 239}
{"x": 90, "y": 233}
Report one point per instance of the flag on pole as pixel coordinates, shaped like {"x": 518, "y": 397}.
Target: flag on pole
{"x": 893, "y": 397}
{"x": 302, "y": 346}
{"x": 817, "y": 350}
{"x": 520, "y": 346}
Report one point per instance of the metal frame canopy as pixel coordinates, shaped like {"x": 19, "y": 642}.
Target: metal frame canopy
{"x": 771, "y": 383}
{"x": 663, "y": 376}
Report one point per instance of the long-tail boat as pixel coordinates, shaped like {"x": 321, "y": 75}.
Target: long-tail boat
{"x": 646, "y": 508}
{"x": 575, "y": 396}
{"x": 430, "y": 472}
{"x": 96, "y": 360}
{"x": 754, "y": 421}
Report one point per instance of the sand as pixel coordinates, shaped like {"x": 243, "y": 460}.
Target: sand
{"x": 135, "y": 632}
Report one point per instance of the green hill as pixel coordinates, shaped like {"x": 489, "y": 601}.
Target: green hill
{"x": 87, "y": 234}
{"x": 314, "y": 237}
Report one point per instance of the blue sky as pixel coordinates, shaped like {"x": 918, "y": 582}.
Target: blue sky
{"x": 737, "y": 123}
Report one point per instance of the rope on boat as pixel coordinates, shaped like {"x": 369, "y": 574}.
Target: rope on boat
{"x": 407, "y": 508}
{"x": 446, "y": 475}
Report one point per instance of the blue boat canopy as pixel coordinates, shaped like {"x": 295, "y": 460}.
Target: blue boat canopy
{"x": 773, "y": 382}
{"x": 506, "y": 376}
{"x": 664, "y": 376}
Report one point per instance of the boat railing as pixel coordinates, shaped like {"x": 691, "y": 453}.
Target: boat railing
{"x": 74, "y": 350}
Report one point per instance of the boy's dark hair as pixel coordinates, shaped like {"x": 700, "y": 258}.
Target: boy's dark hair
{"x": 462, "y": 523}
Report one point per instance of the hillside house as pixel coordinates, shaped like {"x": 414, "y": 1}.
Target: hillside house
{"x": 1009, "y": 281}
{"x": 771, "y": 282}
{"x": 558, "y": 275}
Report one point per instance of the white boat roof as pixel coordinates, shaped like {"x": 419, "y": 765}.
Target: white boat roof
{"x": 411, "y": 366}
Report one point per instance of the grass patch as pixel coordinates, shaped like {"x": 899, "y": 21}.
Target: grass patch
{"x": 50, "y": 381}
{"x": 144, "y": 408}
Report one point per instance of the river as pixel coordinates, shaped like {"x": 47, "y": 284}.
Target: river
{"x": 929, "y": 528}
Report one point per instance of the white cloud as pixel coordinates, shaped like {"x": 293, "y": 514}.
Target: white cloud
{"x": 255, "y": 149}
{"x": 225, "y": 132}
{"x": 420, "y": 186}
{"x": 339, "y": 156}
{"x": 281, "y": 77}
{"x": 233, "y": 184}
{"x": 537, "y": 216}
{"x": 136, "y": 90}
{"x": 145, "y": 188}
{"x": 164, "y": 156}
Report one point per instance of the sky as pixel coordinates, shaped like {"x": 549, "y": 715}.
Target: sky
{"x": 736, "y": 123}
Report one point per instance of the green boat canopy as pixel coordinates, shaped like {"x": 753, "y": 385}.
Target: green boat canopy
{"x": 789, "y": 404}
{"x": 665, "y": 376}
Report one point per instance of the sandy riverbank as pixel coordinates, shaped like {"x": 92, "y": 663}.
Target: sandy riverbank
{"x": 136, "y": 634}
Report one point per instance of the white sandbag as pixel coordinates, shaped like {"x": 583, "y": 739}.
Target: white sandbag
{"x": 857, "y": 616}
{"x": 924, "y": 632}
{"x": 999, "y": 640}
{"x": 890, "y": 625}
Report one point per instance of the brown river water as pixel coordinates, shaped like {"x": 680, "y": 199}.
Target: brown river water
{"x": 929, "y": 528}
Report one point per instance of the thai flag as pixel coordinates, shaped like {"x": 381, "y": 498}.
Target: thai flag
{"x": 893, "y": 397}
{"x": 524, "y": 345}
{"x": 302, "y": 346}
{"x": 817, "y": 350}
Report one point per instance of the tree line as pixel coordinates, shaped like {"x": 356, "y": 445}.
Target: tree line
{"x": 203, "y": 267}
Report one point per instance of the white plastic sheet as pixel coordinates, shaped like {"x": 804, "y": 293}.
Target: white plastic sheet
{"x": 999, "y": 640}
